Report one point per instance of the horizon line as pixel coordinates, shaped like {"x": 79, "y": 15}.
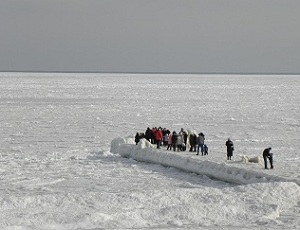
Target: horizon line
{"x": 152, "y": 72}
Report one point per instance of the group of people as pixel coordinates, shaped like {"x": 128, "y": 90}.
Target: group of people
{"x": 173, "y": 140}
{"x": 267, "y": 155}
{"x": 178, "y": 142}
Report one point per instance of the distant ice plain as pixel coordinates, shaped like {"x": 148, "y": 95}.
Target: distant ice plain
{"x": 57, "y": 171}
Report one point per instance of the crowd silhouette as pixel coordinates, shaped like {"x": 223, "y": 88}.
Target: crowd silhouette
{"x": 175, "y": 141}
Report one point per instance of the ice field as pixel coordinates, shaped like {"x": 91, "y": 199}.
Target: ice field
{"x": 62, "y": 167}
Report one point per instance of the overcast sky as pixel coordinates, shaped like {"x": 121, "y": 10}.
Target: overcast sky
{"x": 217, "y": 36}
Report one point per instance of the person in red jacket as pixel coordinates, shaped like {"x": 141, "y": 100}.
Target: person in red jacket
{"x": 158, "y": 137}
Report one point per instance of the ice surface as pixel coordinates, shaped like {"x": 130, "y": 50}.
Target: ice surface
{"x": 57, "y": 170}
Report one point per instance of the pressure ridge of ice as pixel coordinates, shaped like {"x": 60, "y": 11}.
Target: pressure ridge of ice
{"x": 145, "y": 152}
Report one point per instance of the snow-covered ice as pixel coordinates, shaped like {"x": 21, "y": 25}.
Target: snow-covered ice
{"x": 68, "y": 160}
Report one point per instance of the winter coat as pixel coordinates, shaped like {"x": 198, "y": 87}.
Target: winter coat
{"x": 193, "y": 140}
{"x": 170, "y": 139}
{"x": 166, "y": 137}
{"x": 267, "y": 153}
{"x": 179, "y": 140}
{"x": 174, "y": 138}
{"x": 137, "y": 138}
{"x": 230, "y": 147}
{"x": 153, "y": 131}
{"x": 148, "y": 134}
{"x": 158, "y": 135}
{"x": 200, "y": 139}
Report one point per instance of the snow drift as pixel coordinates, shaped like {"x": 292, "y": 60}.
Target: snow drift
{"x": 146, "y": 152}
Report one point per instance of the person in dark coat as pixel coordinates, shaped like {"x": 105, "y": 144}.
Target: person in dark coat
{"x": 205, "y": 147}
{"x": 137, "y": 138}
{"x": 174, "y": 140}
{"x": 148, "y": 134}
{"x": 268, "y": 155}
{"x": 153, "y": 131}
{"x": 193, "y": 142}
{"x": 230, "y": 149}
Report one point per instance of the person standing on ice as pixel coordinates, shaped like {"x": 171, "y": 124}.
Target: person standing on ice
{"x": 268, "y": 155}
{"x": 158, "y": 137}
{"x": 170, "y": 142}
{"x": 179, "y": 142}
{"x": 200, "y": 142}
{"x": 148, "y": 134}
{"x": 174, "y": 140}
{"x": 230, "y": 149}
{"x": 193, "y": 142}
{"x": 153, "y": 139}
{"x": 184, "y": 135}
{"x": 165, "y": 138}
{"x": 137, "y": 138}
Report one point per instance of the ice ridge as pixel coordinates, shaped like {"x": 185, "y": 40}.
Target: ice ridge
{"x": 145, "y": 152}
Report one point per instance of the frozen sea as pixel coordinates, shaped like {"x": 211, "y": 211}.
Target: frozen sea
{"x": 58, "y": 170}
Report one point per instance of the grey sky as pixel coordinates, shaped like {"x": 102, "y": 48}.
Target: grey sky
{"x": 150, "y": 35}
